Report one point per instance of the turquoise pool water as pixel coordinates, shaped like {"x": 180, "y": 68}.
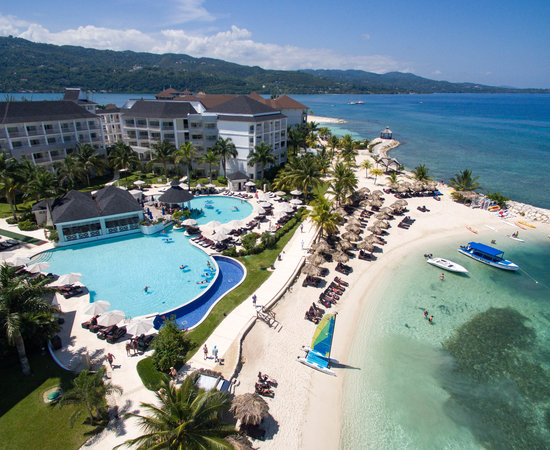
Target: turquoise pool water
{"x": 222, "y": 209}
{"x": 118, "y": 269}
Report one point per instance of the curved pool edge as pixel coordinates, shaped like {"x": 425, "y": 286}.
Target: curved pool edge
{"x": 187, "y": 309}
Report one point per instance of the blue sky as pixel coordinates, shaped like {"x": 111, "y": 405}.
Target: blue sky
{"x": 503, "y": 43}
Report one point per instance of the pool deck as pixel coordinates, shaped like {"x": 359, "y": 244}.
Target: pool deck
{"x": 80, "y": 345}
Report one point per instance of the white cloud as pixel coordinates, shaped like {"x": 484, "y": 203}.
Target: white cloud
{"x": 437, "y": 72}
{"x": 191, "y": 11}
{"x": 235, "y": 45}
{"x": 366, "y": 36}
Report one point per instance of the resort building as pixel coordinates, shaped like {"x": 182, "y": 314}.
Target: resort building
{"x": 46, "y": 132}
{"x": 386, "y": 133}
{"x": 112, "y": 124}
{"x": 84, "y": 217}
{"x": 248, "y": 123}
{"x": 79, "y": 97}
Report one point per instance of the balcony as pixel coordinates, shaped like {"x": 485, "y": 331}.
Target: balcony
{"x": 19, "y": 133}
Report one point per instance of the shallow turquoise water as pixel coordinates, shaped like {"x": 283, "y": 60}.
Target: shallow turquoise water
{"x": 478, "y": 377}
{"x": 220, "y": 208}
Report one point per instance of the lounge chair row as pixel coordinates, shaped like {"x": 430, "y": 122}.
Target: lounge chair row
{"x": 312, "y": 281}
{"x": 8, "y": 243}
{"x": 406, "y": 223}
{"x": 70, "y": 290}
{"x": 344, "y": 269}
{"x": 314, "y": 314}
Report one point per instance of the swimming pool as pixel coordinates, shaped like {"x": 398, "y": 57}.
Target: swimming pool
{"x": 118, "y": 269}
{"x": 222, "y": 209}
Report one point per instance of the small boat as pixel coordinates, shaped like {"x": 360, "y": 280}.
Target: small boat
{"x": 446, "y": 265}
{"x": 491, "y": 228}
{"x": 514, "y": 238}
{"x": 527, "y": 224}
{"x": 356, "y": 102}
{"x": 318, "y": 355}
{"x": 487, "y": 255}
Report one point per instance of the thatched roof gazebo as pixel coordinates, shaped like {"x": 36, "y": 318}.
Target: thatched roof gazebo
{"x": 175, "y": 195}
{"x": 311, "y": 269}
{"x": 249, "y": 408}
{"x": 341, "y": 257}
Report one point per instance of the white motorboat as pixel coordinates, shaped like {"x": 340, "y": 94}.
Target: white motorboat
{"x": 487, "y": 255}
{"x": 446, "y": 265}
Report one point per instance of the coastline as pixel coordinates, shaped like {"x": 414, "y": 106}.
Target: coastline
{"x": 299, "y": 409}
{"x": 322, "y": 119}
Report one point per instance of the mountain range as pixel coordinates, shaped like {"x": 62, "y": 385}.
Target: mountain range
{"x": 27, "y": 66}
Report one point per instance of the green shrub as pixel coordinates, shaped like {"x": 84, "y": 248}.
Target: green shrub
{"x": 177, "y": 215}
{"x": 231, "y": 251}
{"x": 53, "y": 236}
{"x": 268, "y": 240}
{"x": 11, "y": 220}
{"x": 170, "y": 346}
{"x": 499, "y": 198}
{"x": 222, "y": 180}
{"x": 27, "y": 225}
{"x": 203, "y": 181}
{"x": 243, "y": 252}
{"x": 150, "y": 377}
{"x": 249, "y": 241}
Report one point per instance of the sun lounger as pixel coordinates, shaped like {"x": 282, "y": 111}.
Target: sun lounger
{"x": 340, "y": 281}
{"x": 89, "y": 323}
{"x": 116, "y": 335}
{"x": 102, "y": 334}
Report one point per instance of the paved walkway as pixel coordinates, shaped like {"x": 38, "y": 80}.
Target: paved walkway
{"x": 229, "y": 332}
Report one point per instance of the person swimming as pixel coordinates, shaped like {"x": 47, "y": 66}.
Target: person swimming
{"x": 203, "y": 282}
{"x": 146, "y": 289}
{"x": 184, "y": 266}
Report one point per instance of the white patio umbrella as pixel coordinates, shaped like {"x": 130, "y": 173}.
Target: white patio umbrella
{"x": 250, "y": 183}
{"x": 260, "y": 210}
{"x": 211, "y": 226}
{"x": 38, "y": 267}
{"x": 18, "y": 261}
{"x": 210, "y": 185}
{"x": 69, "y": 278}
{"x": 234, "y": 224}
{"x": 111, "y": 318}
{"x": 264, "y": 204}
{"x": 296, "y": 192}
{"x": 220, "y": 235}
{"x": 139, "y": 326}
{"x": 189, "y": 222}
{"x": 280, "y": 193}
{"x": 97, "y": 307}
{"x": 199, "y": 185}
{"x": 264, "y": 197}
{"x": 139, "y": 182}
{"x": 296, "y": 201}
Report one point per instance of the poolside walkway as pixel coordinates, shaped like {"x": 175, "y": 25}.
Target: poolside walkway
{"x": 226, "y": 337}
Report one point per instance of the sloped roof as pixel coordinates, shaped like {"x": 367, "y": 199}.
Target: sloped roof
{"x": 281, "y": 102}
{"x": 208, "y": 100}
{"x": 71, "y": 94}
{"x": 112, "y": 200}
{"x": 76, "y": 205}
{"x": 175, "y": 194}
{"x": 237, "y": 176}
{"x": 18, "y": 112}
{"x": 168, "y": 93}
{"x": 168, "y": 109}
{"x": 109, "y": 109}
{"x": 243, "y": 104}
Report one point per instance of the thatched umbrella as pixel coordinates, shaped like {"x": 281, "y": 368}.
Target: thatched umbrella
{"x": 341, "y": 211}
{"x": 402, "y": 201}
{"x": 467, "y": 195}
{"x": 239, "y": 442}
{"x": 311, "y": 269}
{"x": 430, "y": 185}
{"x": 321, "y": 246}
{"x": 355, "y": 221}
{"x": 354, "y": 229}
{"x": 377, "y": 193}
{"x": 364, "y": 191}
{"x": 382, "y": 215}
{"x": 374, "y": 239}
{"x": 418, "y": 186}
{"x": 403, "y": 188}
{"x": 316, "y": 259}
{"x": 249, "y": 408}
{"x": 346, "y": 245}
{"x": 364, "y": 203}
{"x": 375, "y": 230}
{"x": 381, "y": 224}
{"x": 349, "y": 236}
{"x": 376, "y": 203}
{"x": 341, "y": 257}
{"x": 366, "y": 245}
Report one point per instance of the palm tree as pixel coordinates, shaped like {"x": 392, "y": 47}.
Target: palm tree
{"x": 324, "y": 159}
{"x": 321, "y": 214}
{"x": 324, "y": 132}
{"x": 43, "y": 185}
{"x": 296, "y": 139}
{"x": 211, "y": 159}
{"x": 421, "y": 173}
{"x": 164, "y": 153}
{"x": 21, "y": 296}
{"x": 121, "y": 156}
{"x": 225, "y": 149}
{"x": 303, "y": 173}
{"x": 9, "y": 179}
{"x": 333, "y": 142}
{"x": 87, "y": 157}
{"x": 68, "y": 172}
{"x": 262, "y": 155}
{"x": 185, "y": 417}
{"x": 346, "y": 141}
{"x": 344, "y": 182}
{"x": 367, "y": 165}
{"x": 89, "y": 391}
{"x": 376, "y": 172}
{"x": 186, "y": 154}
{"x": 392, "y": 178}
{"x": 464, "y": 181}
{"x": 311, "y": 140}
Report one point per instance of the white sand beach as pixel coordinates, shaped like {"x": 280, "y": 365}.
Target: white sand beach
{"x": 321, "y": 119}
{"x": 306, "y": 409}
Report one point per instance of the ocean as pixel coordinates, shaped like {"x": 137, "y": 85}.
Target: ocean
{"x": 503, "y": 138}
{"x": 477, "y": 377}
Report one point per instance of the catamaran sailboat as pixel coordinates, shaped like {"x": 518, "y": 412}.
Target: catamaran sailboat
{"x": 318, "y": 355}
{"x": 487, "y": 255}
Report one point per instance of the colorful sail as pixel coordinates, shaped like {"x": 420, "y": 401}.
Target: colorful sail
{"x": 322, "y": 338}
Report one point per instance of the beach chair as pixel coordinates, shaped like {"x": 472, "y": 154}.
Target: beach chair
{"x": 116, "y": 335}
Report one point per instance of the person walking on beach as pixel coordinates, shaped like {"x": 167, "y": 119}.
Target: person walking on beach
{"x": 254, "y": 298}
{"x": 205, "y": 348}
{"x": 173, "y": 373}
{"x": 425, "y": 314}
{"x": 302, "y": 228}
{"x": 431, "y": 319}
{"x": 110, "y": 358}
{"x": 442, "y": 277}
{"x": 215, "y": 353}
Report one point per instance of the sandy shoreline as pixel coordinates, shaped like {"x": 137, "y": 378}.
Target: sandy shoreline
{"x": 322, "y": 119}
{"x": 307, "y": 408}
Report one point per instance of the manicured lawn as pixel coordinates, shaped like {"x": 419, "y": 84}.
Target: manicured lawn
{"x": 254, "y": 279}
{"x": 26, "y": 422}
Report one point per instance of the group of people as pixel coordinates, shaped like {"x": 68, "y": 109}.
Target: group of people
{"x": 214, "y": 353}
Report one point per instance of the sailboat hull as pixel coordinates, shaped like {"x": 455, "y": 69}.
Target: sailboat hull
{"x": 315, "y": 366}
